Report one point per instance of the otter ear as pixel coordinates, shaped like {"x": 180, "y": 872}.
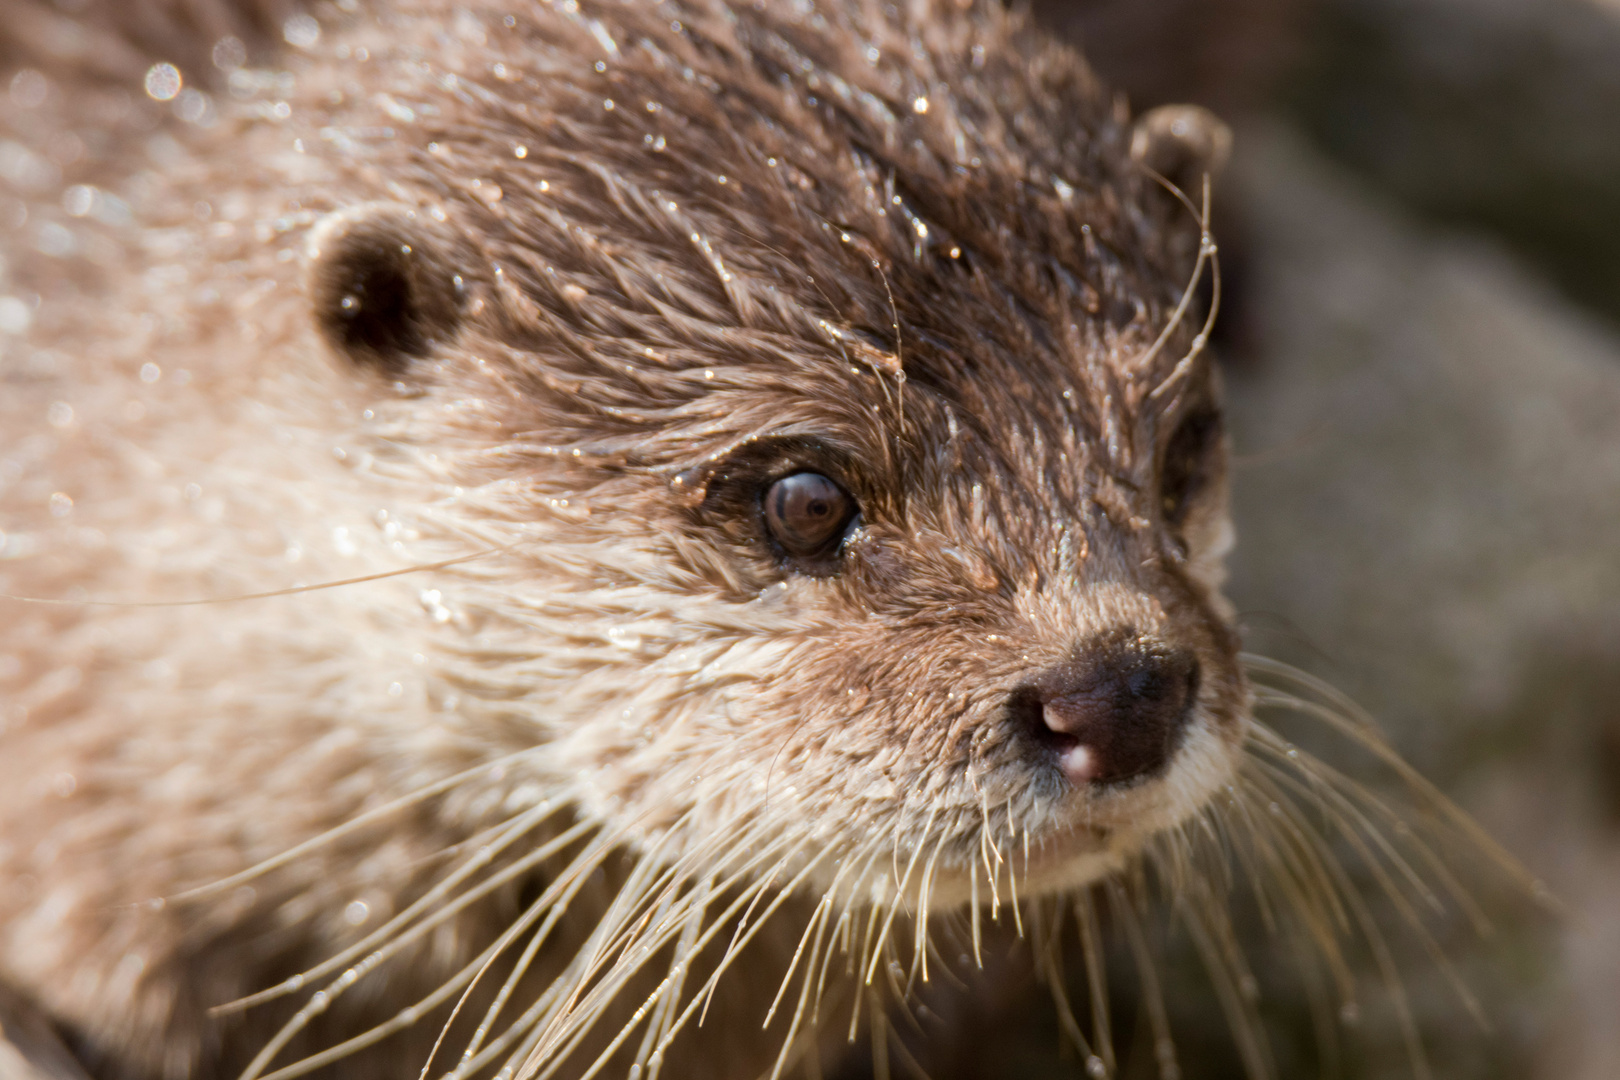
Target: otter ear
{"x": 382, "y": 285}
{"x": 1183, "y": 144}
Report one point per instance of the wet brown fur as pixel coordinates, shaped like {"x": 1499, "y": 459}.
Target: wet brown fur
{"x": 909, "y": 248}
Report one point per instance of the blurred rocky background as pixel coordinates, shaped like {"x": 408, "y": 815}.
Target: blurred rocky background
{"x": 1422, "y": 340}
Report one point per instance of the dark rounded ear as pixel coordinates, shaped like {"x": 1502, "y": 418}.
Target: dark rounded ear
{"x": 1183, "y": 144}
{"x": 382, "y": 285}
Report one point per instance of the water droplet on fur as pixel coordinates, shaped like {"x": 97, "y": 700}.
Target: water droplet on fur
{"x": 1095, "y": 1067}
{"x": 1350, "y": 1014}
{"x": 229, "y": 53}
{"x": 301, "y": 31}
{"x": 403, "y": 113}
{"x": 163, "y": 82}
{"x": 29, "y": 89}
{"x": 78, "y": 199}
{"x": 15, "y": 316}
{"x": 624, "y": 637}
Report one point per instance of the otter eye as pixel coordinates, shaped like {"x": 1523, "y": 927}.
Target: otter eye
{"x": 1188, "y": 464}
{"x": 807, "y": 514}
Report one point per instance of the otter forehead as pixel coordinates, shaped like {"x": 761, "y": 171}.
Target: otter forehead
{"x": 695, "y": 210}
{"x": 693, "y": 228}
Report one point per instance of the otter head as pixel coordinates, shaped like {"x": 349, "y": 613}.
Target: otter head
{"x": 843, "y": 432}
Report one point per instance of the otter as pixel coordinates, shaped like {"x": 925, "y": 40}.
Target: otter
{"x": 601, "y": 537}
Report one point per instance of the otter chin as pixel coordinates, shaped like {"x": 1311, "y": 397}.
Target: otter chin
{"x": 548, "y": 537}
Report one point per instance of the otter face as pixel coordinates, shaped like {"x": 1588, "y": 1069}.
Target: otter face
{"x": 858, "y": 473}
{"x": 989, "y": 628}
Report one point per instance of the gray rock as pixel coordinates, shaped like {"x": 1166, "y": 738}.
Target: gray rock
{"x": 1428, "y": 503}
{"x": 1495, "y": 113}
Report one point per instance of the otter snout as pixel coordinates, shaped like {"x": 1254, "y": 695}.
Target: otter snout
{"x": 1113, "y": 715}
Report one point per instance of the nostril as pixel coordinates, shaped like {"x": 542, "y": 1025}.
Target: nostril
{"x": 1116, "y": 718}
{"x": 1028, "y": 712}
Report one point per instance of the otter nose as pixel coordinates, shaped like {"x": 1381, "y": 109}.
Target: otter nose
{"x": 1119, "y": 716}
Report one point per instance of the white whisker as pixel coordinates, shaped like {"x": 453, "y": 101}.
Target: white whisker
{"x": 353, "y": 825}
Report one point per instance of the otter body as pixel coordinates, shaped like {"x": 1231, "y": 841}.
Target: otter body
{"x": 766, "y": 495}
